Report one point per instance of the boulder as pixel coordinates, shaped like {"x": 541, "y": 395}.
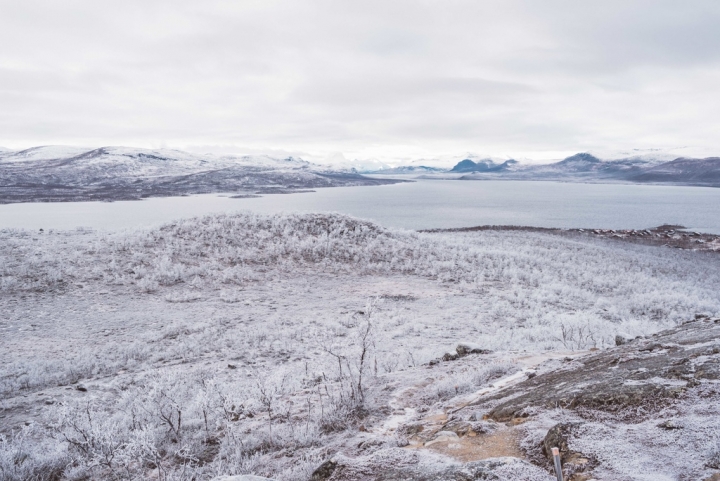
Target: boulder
{"x": 410, "y": 429}
{"x": 557, "y": 437}
{"x": 465, "y": 348}
{"x": 669, "y": 425}
{"x": 621, "y": 339}
{"x": 450, "y": 356}
{"x": 484, "y": 427}
{"x": 572, "y": 462}
{"x": 324, "y": 471}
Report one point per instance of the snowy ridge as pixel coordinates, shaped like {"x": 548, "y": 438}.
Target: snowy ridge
{"x": 120, "y": 173}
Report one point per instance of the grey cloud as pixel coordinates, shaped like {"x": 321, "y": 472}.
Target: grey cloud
{"x": 390, "y": 91}
{"x": 361, "y": 77}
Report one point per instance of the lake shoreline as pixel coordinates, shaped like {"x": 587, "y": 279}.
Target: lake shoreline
{"x": 420, "y": 205}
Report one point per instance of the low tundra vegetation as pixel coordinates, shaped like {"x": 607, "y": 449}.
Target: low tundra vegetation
{"x": 277, "y": 397}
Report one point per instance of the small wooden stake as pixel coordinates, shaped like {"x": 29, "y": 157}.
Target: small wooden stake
{"x": 558, "y": 466}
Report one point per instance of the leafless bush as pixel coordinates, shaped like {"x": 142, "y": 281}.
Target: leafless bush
{"x": 577, "y": 337}
{"x": 354, "y": 359}
{"x": 31, "y": 455}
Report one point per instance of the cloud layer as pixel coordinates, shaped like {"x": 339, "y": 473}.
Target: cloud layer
{"x": 390, "y": 80}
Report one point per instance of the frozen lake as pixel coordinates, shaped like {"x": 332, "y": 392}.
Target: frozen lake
{"x": 420, "y": 205}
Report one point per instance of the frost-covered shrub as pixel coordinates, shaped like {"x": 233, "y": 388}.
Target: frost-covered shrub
{"x": 468, "y": 380}
{"x": 173, "y": 424}
{"x": 31, "y": 455}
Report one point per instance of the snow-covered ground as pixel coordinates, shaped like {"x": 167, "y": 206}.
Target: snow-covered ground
{"x": 237, "y": 344}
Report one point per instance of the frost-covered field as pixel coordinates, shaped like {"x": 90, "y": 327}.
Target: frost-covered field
{"x": 266, "y": 344}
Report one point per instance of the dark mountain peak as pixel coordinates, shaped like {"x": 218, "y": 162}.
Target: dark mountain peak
{"x": 582, "y": 157}
{"x": 465, "y": 165}
{"x": 484, "y": 165}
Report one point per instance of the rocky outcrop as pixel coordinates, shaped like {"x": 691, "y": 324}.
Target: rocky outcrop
{"x": 644, "y": 370}
{"x": 324, "y": 471}
{"x": 465, "y": 348}
{"x": 396, "y": 464}
{"x": 462, "y": 350}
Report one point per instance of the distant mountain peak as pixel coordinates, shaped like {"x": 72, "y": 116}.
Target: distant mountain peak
{"x": 484, "y": 165}
{"x": 582, "y": 157}
{"x": 465, "y": 165}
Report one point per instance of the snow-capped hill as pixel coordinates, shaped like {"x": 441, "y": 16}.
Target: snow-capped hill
{"x": 119, "y": 162}
{"x": 649, "y": 156}
{"x": 113, "y": 173}
{"x": 684, "y": 170}
{"x": 582, "y": 160}
{"x": 338, "y": 162}
{"x": 409, "y": 169}
{"x": 266, "y": 161}
{"x": 44, "y": 152}
{"x": 162, "y": 158}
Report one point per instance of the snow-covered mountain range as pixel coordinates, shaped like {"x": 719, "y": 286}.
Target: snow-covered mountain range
{"x": 59, "y": 173}
{"x": 54, "y": 173}
{"x": 584, "y": 167}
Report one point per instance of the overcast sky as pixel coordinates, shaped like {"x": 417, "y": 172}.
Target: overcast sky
{"x": 393, "y": 80}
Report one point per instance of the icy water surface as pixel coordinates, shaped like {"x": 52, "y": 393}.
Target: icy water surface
{"x": 423, "y": 204}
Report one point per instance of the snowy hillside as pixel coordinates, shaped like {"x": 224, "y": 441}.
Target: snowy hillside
{"x": 120, "y": 173}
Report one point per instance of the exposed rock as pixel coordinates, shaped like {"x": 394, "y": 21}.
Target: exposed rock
{"x": 669, "y": 425}
{"x": 324, "y": 471}
{"x": 370, "y": 443}
{"x": 465, "y": 348}
{"x": 573, "y": 462}
{"x": 443, "y": 437}
{"x": 81, "y": 388}
{"x": 621, "y": 339}
{"x": 557, "y": 437}
{"x": 631, "y": 374}
{"x": 713, "y": 460}
{"x": 410, "y": 429}
{"x": 396, "y": 464}
{"x": 484, "y": 427}
{"x": 461, "y": 428}
{"x": 450, "y": 356}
